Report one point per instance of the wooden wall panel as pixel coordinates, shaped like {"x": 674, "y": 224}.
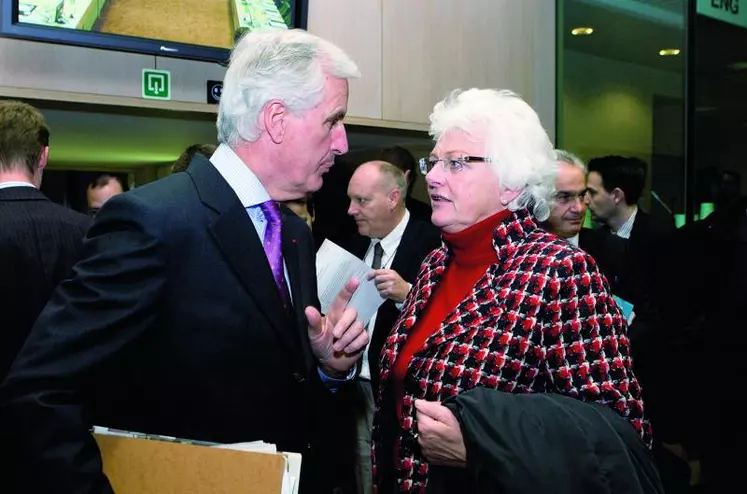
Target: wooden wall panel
{"x": 48, "y": 66}
{"x": 355, "y": 26}
{"x": 433, "y": 46}
{"x": 189, "y": 77}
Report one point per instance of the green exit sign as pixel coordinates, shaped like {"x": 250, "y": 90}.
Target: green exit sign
{"x": 156, "y": 84}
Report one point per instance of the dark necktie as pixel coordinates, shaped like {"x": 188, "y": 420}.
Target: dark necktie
{"x": 378, "y": 254}
{"x": 273, "y": 247}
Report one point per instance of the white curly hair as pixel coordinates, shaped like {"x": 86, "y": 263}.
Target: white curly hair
{"x": 520, "y": 152}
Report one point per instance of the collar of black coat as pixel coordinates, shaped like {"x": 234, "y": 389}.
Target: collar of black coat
{"x": 22, "y": 193}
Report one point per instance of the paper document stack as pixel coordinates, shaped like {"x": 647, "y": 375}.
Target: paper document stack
{"x": 334, "y": 267}
{"x": 151, "y": 464}
{"x": 292, "y": 473}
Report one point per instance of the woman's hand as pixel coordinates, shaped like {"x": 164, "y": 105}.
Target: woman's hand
{"x": 439, "y": 434}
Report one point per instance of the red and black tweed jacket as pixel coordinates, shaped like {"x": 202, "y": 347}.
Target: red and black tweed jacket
{"x": 541, "y": 319}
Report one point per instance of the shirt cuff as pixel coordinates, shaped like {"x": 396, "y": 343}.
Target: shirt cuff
{"x": 400, "y": 305}
{"x": 334, "y": 383}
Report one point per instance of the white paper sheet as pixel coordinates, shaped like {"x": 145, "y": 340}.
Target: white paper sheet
{"x": 292, "y": 473}
{"x": 334, "y": 267}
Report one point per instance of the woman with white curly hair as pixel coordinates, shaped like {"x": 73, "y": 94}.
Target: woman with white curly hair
{"x": 505, "y": 306}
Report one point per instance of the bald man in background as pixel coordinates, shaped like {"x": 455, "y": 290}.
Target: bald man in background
{"x": 394, "y": 244}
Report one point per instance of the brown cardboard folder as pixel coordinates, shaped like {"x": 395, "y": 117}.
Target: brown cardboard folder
{"x": 143, "y": 466}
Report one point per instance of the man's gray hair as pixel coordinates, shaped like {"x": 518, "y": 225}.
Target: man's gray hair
{"x": 517, "y": 145}
{"x": 564, "y": 156}
{"x": 393, "y": 177}
{"x": 285, "y": 65}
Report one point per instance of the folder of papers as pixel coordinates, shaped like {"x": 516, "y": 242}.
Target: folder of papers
{"x": 151, "y": 464}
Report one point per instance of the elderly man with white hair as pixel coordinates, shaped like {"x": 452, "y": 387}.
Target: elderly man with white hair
{"x": 566, "y": 220}
{"x": 509, "y": 337}
{"x": 194, "y": 312}
{"x": 569, "y": 200}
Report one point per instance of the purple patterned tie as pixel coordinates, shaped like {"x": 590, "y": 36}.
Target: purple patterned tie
{"x": 273, "y": 247}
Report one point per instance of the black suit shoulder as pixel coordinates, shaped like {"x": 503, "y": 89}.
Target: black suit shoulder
{"x": 20, "y": 206}
{"x": 609, "y": 251}
{"x": 648, "y": 229}
{"x": 40, "y": 241}
{"x": 418, "y": 240}
{"x": 425, "y": 231}
{"x": 419, "y": 210}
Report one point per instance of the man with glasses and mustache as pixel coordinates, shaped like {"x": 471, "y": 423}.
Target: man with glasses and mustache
{"x": 567, "y": 214}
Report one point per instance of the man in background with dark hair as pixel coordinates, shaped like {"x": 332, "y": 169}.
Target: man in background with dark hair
{"x": 405, "y": 161}
{"x": 102, "y": 188}
{"x": 182, "y": 162}
{"x": 615, "y": 185}
{"x": 39, "y": 240}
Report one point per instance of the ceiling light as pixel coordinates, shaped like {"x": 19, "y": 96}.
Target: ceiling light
{"x": 738, "y": 66}
{"x": 582, "y": 31}
{"x": 669, "y": 52}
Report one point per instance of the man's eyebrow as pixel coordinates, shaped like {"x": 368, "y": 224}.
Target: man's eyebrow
{"x": 336, "y": 116}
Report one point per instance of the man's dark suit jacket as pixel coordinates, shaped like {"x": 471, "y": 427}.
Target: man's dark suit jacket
{"x": 608, "y": 251}
{"x": 640, "y": 280}
{"x": 171, "y": 325}
{"x": 39, "y": 243}
{"x": 419, "y": 210}
{"x": 418, "y": 239}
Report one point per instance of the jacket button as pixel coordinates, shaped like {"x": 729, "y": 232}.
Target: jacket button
{"x": 299, "y": 378}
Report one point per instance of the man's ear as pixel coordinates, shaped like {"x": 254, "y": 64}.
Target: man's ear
{"x": 618, "y": 195}
{"x": 275, "y": 119}
{"x": 44, "y": 158}
{"x": 394, "y": 197}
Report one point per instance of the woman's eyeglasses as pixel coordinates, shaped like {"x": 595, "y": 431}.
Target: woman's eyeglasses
{"x": 453, "y": 165}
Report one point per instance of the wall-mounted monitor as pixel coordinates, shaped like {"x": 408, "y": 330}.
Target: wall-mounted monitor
{"x": 195, "y": 29}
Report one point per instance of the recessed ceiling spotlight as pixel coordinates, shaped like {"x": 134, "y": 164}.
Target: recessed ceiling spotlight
{"x": 669, "y": 52}
{"x": 582, "y": 31}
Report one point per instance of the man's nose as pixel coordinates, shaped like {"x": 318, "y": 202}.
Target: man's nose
{"x": 579, "y": 205}
{"x": 339, "y": 139}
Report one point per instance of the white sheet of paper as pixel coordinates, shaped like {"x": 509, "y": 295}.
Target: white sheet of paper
{"x": 253, "y": 446}
{"x": 292, "y": 472}
{"x": 334, "y": 267}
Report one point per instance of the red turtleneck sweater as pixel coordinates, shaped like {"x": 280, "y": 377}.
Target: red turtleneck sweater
{"x": 472, "y": 253}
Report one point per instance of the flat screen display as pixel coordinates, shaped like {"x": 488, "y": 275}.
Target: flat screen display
{"x": 182, "y": 28}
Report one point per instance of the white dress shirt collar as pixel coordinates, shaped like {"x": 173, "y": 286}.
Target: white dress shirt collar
{"x": 7, "y": 185}
{"x": 240, "y": 178}
{"x": 627, "y": 228}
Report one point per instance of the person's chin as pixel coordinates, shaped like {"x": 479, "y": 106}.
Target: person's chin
{"x": 315, "y": 183}
{"x": 439, "y": 220}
